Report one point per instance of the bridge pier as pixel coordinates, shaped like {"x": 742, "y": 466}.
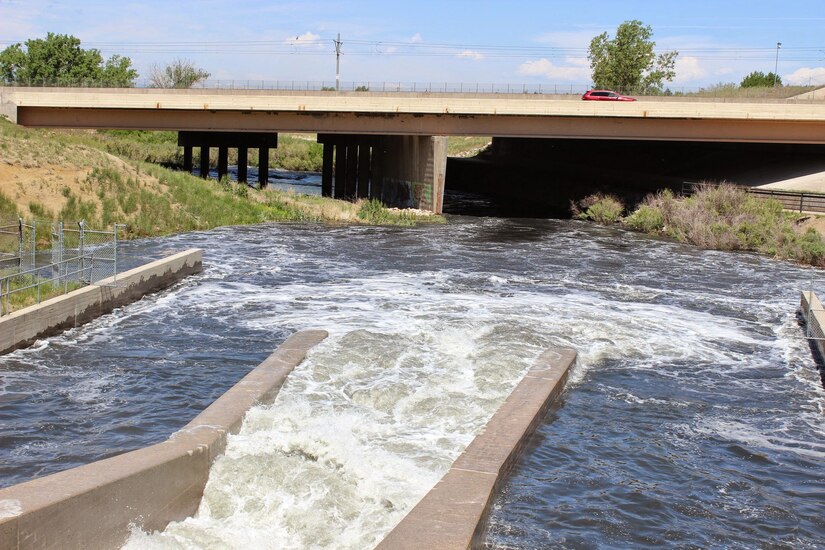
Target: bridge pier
{"x": 187, "y": 158}
{"x": 243, "y": 164}
{"x": 224, "y": 141}
{"x": 400, "y": 171}
{"x": 204, "y": 167}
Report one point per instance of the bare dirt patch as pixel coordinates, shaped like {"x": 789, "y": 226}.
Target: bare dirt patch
{"x": 44, "y": 186}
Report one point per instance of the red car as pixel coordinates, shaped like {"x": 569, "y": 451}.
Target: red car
{"x": 605, "y": 95}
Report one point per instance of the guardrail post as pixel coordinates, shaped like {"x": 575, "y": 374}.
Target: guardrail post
{"x": 19, "y": 244}
{"x": 801, "y": 198}
{"x": 81, "y": 248}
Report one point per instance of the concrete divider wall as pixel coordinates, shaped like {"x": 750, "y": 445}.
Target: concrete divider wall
{"x": 93, "y": 506}
{"x": 814, "y": 316}
{"x": 22, "y": 328}
{"x": 453, "y": 514}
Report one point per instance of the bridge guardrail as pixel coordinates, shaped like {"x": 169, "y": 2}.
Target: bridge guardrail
{"x": 534, "y": 88}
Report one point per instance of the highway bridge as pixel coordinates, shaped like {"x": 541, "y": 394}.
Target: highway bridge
{"x": 393, "y": 145}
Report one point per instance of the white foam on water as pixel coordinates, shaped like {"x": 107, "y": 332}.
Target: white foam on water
{"x": 773, "y": 438}
{"x": 414, "y": 367}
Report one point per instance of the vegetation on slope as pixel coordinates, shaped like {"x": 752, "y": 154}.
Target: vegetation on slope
{"x": 77, "y": 175}
{"x": 716, "y": 217}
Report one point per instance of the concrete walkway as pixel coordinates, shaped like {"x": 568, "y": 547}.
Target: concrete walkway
{"x": 813, "y": 183}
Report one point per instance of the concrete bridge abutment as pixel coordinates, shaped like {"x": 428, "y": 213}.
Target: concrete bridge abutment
{"x": 400, "y": 171}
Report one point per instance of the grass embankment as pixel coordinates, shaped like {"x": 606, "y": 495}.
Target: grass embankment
{"x": 107, "y": 177}
{"x": 716, "y": 217}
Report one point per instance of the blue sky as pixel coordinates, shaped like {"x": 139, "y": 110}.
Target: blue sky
{"x": 432, "y": 41}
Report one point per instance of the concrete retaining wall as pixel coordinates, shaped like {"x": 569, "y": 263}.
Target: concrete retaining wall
{"x": 814, "y": 317}
{"x": 454, "y": 513}
{"x": 93, "y": 506}
{"x": 22, "y": 328}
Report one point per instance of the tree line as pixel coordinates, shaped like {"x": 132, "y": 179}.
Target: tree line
{"x": 59, "y": 59}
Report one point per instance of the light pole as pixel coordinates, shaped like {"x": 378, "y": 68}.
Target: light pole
{"x": 776, "y": 65}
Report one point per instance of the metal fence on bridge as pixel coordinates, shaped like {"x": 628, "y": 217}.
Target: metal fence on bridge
{"x": 78, "y": 256}
{"x": 533, "y": 88}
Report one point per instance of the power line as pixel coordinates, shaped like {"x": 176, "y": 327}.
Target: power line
{"x": 318, "y": 46}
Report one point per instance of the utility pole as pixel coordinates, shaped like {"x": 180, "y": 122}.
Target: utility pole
{"x": 776, "y": 65}
{"x": 337, "y": 62}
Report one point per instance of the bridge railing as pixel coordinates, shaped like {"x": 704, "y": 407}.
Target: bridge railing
{"x": 559, "y": 89}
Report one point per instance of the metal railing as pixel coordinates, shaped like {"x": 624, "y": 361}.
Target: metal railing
{"x": 79, "y": 257}
{"x": 559, "y": 89}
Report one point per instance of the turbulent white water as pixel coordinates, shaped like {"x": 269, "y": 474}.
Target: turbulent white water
{"x": 417, "y": 361}
{"x": 697, "y": 353}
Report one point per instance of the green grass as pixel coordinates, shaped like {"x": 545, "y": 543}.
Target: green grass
{"x": 373, "y": 212}
{"x": 20, "y": 299}
{"x": 463, "y": 146}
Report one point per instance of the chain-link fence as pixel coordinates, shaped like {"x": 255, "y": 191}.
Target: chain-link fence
{"x": 78, "y": 256}
{"x": 568, "y": 90}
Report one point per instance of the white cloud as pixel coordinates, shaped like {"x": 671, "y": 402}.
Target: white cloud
{"x": 470, "y": 54}
{"x": 803, "y": 77}
{"x": 575, "y": 69}
{"x": 306, "y": 39}
{"x": 688, "y": 69}
{"x": 416, "y": 38}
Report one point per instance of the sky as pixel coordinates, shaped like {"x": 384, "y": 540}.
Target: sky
{"x": 454, "y": 41}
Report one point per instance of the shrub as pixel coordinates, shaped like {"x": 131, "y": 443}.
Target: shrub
{"x": 811, "y": 248}
{"x": 603, "y": 209}
{"x": 725, "y": 217}
{"x": 647, "y": 219}
{"x": 39, "y": 211}
{"x": 373, "y": 211}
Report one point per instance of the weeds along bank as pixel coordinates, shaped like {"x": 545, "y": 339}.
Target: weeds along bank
{"x": 715, "y": 217}
{"x": 113, "y": 177}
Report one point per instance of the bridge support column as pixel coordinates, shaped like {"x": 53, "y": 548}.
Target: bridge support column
{"x": 204, "y": 168}
{"x": 263, "y": 167}
{"x": 364, "y": 158}
{"x": 351, "y": 185}
{"x": 224, "y": 141}
{"x": 223, "y": 161}
{"x": 187, "y": 158}
{"x": 403, "y": 171}
{"x": 340, "y": 170}
{"x": 326, "y": 170}
{"x": 412, "y": 171}
{"x": 243, "y": 164}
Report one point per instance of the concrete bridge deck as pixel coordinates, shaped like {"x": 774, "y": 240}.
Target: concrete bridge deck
{"x": 421, "y": 114}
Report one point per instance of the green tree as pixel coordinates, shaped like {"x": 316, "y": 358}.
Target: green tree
{"x": 758, "y": 79}
{"x": 628, "y": 61}
{"x": 58, "y": 58}
{"x": 181, "y": 73}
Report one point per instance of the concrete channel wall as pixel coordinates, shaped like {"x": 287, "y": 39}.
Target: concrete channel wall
{"x": 814, "y": 316}
{"x": 453, "y": 515}
{"x": 22, "y": 328}
{"x": 93, "y": 506}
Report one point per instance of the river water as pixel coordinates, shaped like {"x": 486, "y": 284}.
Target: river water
{"x": 694, "y": 416}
